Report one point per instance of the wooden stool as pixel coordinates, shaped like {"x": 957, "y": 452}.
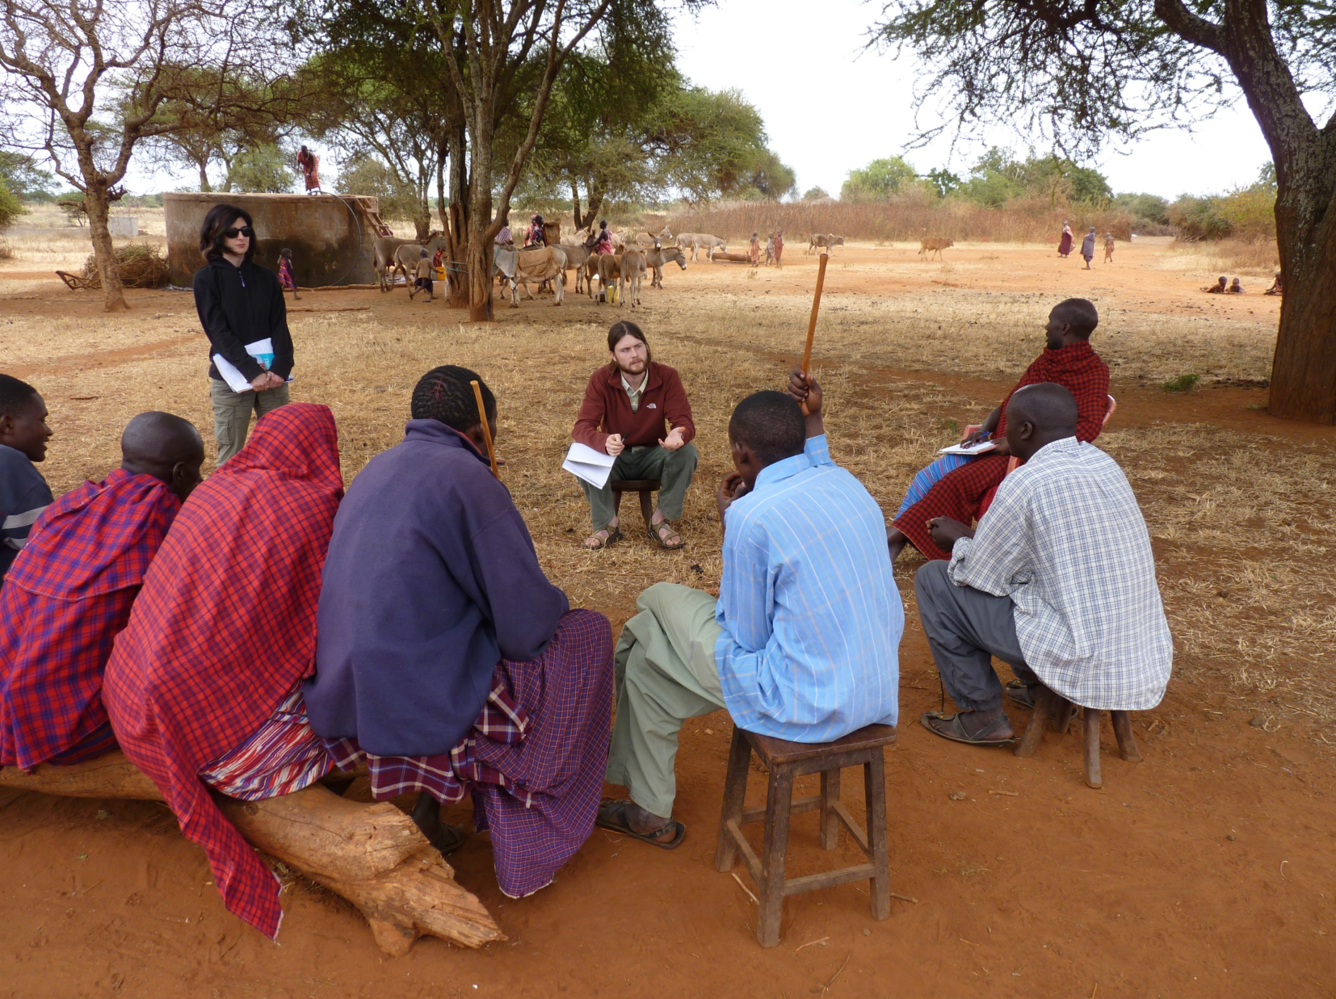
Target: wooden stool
{"x": 645, "y": 487}
{"x": 1050, "y": 706}
{"x": 787, "y": 761}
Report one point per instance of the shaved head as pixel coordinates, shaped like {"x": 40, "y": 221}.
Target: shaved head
{"x": 165, "y": 447}
{"x": 1079, "y": 313}
{"x": 1038, "y": 415}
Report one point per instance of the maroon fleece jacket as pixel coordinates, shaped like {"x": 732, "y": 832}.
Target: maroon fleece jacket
{"x": 607, "y": 409}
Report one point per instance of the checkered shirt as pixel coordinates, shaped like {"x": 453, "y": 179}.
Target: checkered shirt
{"x": 1065, "y": 540}
{"x": 224, "y": 628}
{"x": 64, "y": 601}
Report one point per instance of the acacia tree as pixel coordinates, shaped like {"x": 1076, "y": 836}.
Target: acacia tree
{"x": 1079, "y": 70}
{"x": 87, "y": 81}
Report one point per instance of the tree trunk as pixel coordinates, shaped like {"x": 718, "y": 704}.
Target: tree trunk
{"x": 1303, "y": 371}
{"x": 480, "y": 220}
{"x": 422, "y": 225}
{"x": 103, "y": 251}
{"x": 372, "y": 855}
{"x": 204, "y": 186}
{"x": 456, "y": 231}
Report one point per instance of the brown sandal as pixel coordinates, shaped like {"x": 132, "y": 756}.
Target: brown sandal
{"x": 614, "y": 534}
{"x": 654, "y": 535}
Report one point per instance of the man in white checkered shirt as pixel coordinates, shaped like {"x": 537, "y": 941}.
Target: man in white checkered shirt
{"x": 1058, "y": 581}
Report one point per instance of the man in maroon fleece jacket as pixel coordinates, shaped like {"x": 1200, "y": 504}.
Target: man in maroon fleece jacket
{"x": 637, "y": 411}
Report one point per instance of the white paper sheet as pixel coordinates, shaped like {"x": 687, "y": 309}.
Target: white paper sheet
{"x": 261, "y": 350}
{"x": 981, "y": 447}
{"x": 584, "y": 462}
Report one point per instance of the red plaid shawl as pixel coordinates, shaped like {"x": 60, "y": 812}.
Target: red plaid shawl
{"x": 225, "y": 627}
{"x": 958, "y": 493}
{"x": 63, "y": 603}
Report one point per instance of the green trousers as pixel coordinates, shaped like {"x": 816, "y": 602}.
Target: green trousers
{"x": 665, "y": 673}
{"x": 232, "y": 413}
{"x": 673, "y": 469}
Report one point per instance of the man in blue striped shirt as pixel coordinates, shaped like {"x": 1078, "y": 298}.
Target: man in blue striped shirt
{"x": 803, "y": 642}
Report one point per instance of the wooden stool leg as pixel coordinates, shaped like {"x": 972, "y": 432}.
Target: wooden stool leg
{"x": 874, "y": 793}
{"x": 647, "y": 506}
{"x": 830, "y": 822}
{"x": 779, "y": 802}
{"x": 1034, "y": 732}
{"x": 735, "y": 794}
{"x": 617, "y": 503}
{"x": 1063, "y": 713}
{"x": 1092, "y": 777}
{"x": 1127, "y": 742}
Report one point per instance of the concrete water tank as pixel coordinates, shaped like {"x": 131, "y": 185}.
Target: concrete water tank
{"x": 330, "y": 235}
{"x": 123, "y": 226}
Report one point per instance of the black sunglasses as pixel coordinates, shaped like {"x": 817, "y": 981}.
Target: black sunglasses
{"x": 245, "y": 230}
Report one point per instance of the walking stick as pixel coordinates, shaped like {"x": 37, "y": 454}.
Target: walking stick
{"x": 816, "y": 307}
{"x": 486, "y": 430}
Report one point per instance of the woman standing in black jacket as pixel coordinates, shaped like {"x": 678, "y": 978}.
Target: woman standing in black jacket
{"x": 240, "y": 304}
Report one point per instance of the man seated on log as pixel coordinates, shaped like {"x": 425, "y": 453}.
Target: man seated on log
{"x": 1058, "y": 581}
{"x": 628, "y": 404}
{"x": 447, "y": 661}
{"x": 954, "y": 485}
{"x": 803, "y": 641}
{"x": 24, "y": 493}
{"x": 204, "y": 685}
{"x": 69, "y": 593}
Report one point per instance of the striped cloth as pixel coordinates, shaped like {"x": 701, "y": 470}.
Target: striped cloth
{"x": 1065, "y": 540}
{"x": 811, "y": 616}
{"x": 283, "y": 756}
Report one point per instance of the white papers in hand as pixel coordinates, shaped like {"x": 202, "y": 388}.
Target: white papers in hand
{"x": 584, "y": 462}
{"x": 261, "y": 350}
{"x": 978, "y": 447}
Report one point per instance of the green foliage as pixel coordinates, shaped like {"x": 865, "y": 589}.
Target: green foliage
{"x": 1150, "y": 207}
{"x": 768, "y": 177}
{"x": 944, "y": 182}
{"x": 366, "y": 175}
{"x": 998, "y": 177}
{"x": 10, "y": 206}
{"x": 261, "y": 169}
{"x": 24, "y": 178}
{"x": 1247, "y": 213}
{"x": 1181, "y": 383}
{"x": 815, "y": 194}
{"x": 878, "y": 181}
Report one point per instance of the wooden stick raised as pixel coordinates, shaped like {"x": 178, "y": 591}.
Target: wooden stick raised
{"x": 816, "y": 307}
{"x": 486, "y": 429}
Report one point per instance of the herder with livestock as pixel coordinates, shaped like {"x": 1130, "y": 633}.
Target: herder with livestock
{"x": 956, "y": 486}
{"x": 779, "y": 248}
{"x": 601, "y": 241}
{"x": 446, "y": 661}
{"x": 1058, "y": 581}
{"x": 754, "y": 250}
{"x": 803, "y": 642}
{"x": 533, "y": 236}
{"x": 69, "y": 593}
{"x": 636, "y": 410}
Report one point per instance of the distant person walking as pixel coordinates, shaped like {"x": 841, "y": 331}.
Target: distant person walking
{"x": 1088, "y": 247}
{"x": 1065, "y": 243}
{"x": 1108, "y": 247}
{"x": 779, "y": 247}
{"x": 286, "y": 278}
{"x": 309, "y": 164}
{"x": 754, "y": 252}
{"x": 241, "y": 308}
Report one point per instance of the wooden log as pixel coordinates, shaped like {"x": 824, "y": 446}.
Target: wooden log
{"x": 372, "y": 855}
{"x": 731, "y": 258}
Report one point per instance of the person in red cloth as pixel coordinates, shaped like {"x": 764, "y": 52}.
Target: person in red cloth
{"x": 1067, "y": 360}
{"x": 221, "y": 637}
{"x": 71, "y": 589}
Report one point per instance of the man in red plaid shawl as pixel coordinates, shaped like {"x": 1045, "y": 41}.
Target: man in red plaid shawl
{"x": 447, "y": 661}
{"x": 70, "y": 591}
{"x": 203, "y": 687}
{"x": 1067, "y": 360}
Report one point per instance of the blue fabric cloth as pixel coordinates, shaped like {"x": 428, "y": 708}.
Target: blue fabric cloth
{"x": 927, "y": 478}
{"x": 24, "y": 494}
{"x": 430, "y": 580}
{"x": 810, "y": 613}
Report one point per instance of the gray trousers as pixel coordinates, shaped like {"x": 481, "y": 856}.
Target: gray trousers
{"x": 966, "y": 628}
{"x": 232, "y": 413}
{"x": 665, "y": 673}
{"x": 673, "y": 469}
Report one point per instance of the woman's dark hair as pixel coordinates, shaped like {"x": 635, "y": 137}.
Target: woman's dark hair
{"x": 219, "y": 219}
{"x": 624, "y": 328}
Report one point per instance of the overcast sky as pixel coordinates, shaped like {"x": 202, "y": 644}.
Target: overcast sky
{"x": 830, "y": 106}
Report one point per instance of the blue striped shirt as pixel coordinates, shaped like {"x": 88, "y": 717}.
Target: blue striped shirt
{"x": 810, "y": 613}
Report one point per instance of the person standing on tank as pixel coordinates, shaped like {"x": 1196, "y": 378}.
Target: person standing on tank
{"x": 240, "y": 304}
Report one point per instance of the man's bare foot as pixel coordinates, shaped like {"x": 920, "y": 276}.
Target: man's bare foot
{"x": 604, "y": 537}
{"x": 895, "y": 541}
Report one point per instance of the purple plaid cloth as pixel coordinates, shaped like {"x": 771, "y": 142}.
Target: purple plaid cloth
{"x": 536, "y": 772}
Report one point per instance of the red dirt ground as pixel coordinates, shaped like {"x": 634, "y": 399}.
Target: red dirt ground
{"x": 1204, "y": 871}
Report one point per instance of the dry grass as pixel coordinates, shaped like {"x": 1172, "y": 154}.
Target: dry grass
{"x": 1259, "y": 259}
{"x": 1240, "y": 522}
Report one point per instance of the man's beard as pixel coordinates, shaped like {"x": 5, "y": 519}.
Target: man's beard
{"x": 633, "y": 371}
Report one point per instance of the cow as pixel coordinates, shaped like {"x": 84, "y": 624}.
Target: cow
{"x": 698, "y": 241}
{"x": 633, "y": 272}
{"x": 824, "y": 239}
{"x": 933, "y": 244}
{"x": 533, "y": 266}
{"x": 383, "y": 252}
{"x": 646, "y": 240}
{"x": 656, "y": 258}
